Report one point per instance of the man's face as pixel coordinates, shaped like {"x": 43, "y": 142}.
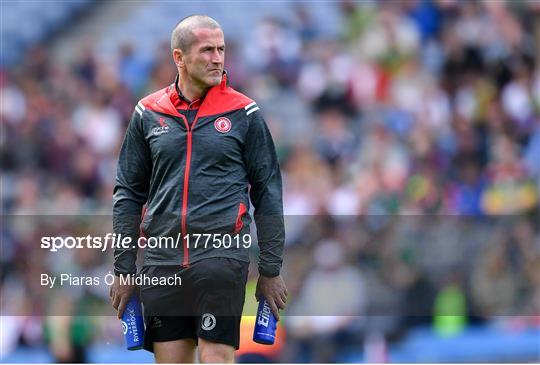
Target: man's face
{"x": 205, "y": 60}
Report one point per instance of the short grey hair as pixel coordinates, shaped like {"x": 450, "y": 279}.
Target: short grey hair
{"x": 182, "y": 36}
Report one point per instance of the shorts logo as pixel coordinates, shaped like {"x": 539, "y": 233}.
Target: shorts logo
{"x": 160, "y": 130}
{"x": 156, "y": 322}
{"x": 222, "y": 125}
{"x": 208, "y": 322}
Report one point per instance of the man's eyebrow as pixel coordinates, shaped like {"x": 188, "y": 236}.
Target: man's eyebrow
{"x": 206, "y": 46}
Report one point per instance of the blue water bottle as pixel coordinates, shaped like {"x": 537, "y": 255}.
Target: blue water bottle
{"x": 265, "y": 325}
{"x": 133, "y": 324}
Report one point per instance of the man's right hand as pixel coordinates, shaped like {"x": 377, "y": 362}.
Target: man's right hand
{"x": 120, "y": 295}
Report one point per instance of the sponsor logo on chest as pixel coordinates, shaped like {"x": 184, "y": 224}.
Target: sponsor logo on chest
{"x": 163, "y": 128}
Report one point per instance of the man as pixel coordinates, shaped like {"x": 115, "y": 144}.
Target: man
{"x": 193, "y": 155}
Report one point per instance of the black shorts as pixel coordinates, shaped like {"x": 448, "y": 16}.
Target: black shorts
{"x": 208, "y": 304}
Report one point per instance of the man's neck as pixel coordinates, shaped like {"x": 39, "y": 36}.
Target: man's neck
{"x": 189, "y": 90}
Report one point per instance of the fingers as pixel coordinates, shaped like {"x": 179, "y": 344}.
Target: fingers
{"x": 258, "y": 293}
{"x": 273, "y": 307}
{"x": 122, "y": 306}
{"x": 115, "y": 300}
{"x": 280, "y": 303}
{"x": 283, "y": 297}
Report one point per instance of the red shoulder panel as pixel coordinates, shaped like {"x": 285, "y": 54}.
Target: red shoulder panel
{"x": 160, "y": 102}
{"x": 221, "y": 100}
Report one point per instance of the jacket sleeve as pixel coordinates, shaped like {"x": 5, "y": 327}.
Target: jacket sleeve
{"x": 130, "y": 192}
{"x": 266, "y": 194}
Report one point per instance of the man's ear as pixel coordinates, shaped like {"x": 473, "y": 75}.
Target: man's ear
{"x": 178, "y": 57}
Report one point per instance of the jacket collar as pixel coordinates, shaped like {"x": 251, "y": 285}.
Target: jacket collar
{"x": 219, "y": 99}
{"x": 177, "y": 98}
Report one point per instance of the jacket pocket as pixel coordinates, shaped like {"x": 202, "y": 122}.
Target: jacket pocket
{"x": 242, "y": 209}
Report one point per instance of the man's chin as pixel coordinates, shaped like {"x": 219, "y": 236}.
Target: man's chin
{"x": 213, "y": 81}
{"x": 210, "y": 81}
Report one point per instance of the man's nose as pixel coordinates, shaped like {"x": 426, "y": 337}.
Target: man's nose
{"x": 217, "y": 57}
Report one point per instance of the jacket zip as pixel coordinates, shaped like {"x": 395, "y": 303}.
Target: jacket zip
{"x": 185, "y": 262}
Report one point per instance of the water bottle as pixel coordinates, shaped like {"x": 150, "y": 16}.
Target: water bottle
{"x": 133, "y": 324}
{"x": 265, "y": 325}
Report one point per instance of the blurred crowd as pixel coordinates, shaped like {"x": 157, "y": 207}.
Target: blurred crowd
{"x": 410, "y": 152}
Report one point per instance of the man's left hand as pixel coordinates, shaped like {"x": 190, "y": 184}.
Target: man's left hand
{"x": 274, "y": 291}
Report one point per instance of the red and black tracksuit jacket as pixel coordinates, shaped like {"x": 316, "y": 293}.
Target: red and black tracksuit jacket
{"x": 194, "y": 167}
